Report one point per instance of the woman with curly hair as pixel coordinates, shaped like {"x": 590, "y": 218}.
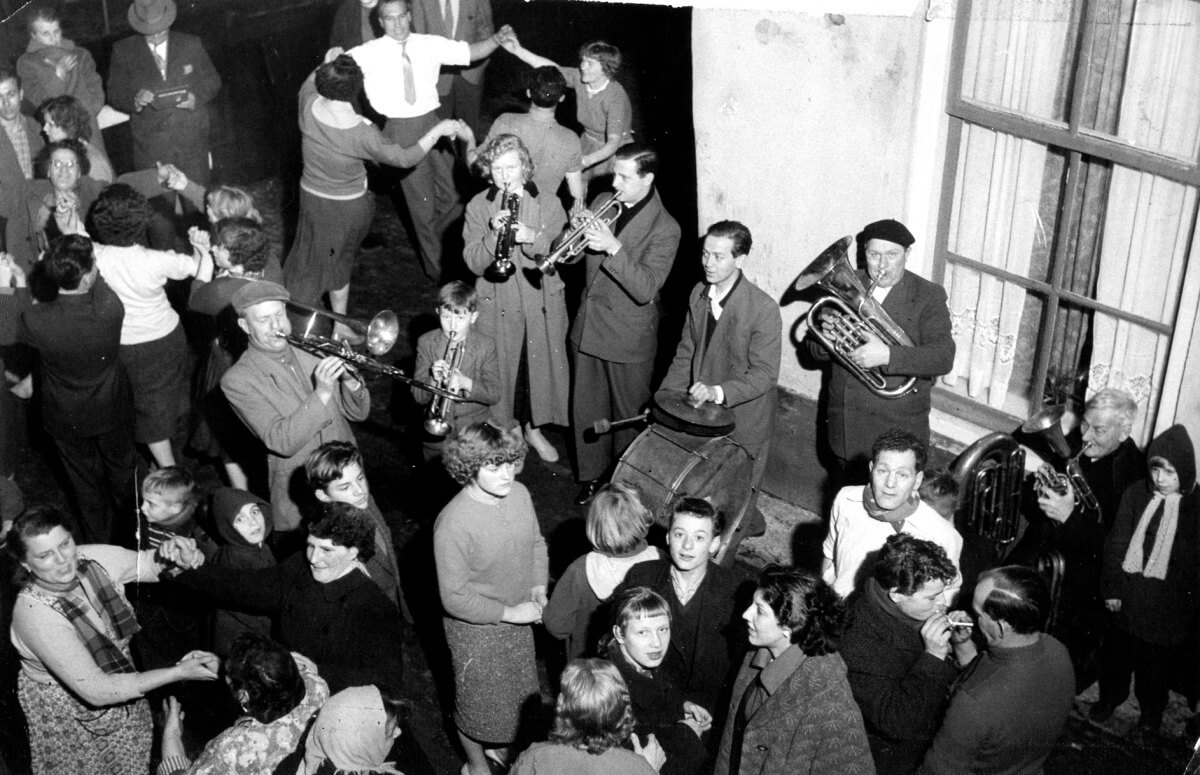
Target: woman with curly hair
{"x": 591, "y": 723}
{"x": 492, "y": 568}
{"x": 154, "y": 349}
{"x": 324, "y": 604}
{"x": 526, "y": 313}
{"x": 65, "y": 118}
{"x": 791, "y": 709}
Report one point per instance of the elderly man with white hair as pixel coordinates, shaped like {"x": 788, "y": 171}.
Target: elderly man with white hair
{"x": 1110, "y": 462}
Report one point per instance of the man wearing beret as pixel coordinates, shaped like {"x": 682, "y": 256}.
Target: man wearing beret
{"x": 293, "y": 401}
{"x": 165, "y": 81}
{"x": 855, "y": 415}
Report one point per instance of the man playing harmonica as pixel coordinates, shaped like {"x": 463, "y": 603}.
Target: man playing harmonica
{"x": 855, "y": 415}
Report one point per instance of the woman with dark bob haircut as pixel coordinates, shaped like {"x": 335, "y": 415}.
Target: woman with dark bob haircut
{"x": 71, "y": 626}
{"x": 492, "y": 569}
{"x": 335, "y": 207}
{"x": 324, "y": 604}
{"x": 591, "y": 723}
{"x": 791, "y": 709}
{"x": 278, "y": 693}
{"x": 65, "y": 118}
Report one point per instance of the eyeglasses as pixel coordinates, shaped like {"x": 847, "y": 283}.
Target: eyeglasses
{"x": 62, "y": 165}
{"x": 891, "y": 255}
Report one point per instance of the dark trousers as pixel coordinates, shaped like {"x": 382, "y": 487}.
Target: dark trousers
{"x": 428, "y": 190}
{"x": 1125, "y": 655}
{"x": 102, "y": 473}
{"x": 463, "y": 102}
{"x": 603, "y": 390}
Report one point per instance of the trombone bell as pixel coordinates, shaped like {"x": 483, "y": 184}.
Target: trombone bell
{"x": 382, "y": 331}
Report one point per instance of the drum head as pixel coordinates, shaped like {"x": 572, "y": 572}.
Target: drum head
{"x": 674, "y": 409}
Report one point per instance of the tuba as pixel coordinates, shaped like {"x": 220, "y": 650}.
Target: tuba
{"x": 990, "y": 474}
{"x": 1047, "y": 424}
{"x": 502, "y": 266}
{"x": 857, "y": 314}
{"x": 435, "y": 416}
{"x": 571, "y": 247}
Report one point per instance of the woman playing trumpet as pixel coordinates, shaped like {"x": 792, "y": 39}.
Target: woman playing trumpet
{"x": 526, "y": 313}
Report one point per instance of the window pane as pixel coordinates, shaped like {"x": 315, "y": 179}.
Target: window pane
{"x": 1007, "y": 196}
{"x": 1131, "y": 358}
{"x": 1141, "y": 84}
{"x": 1018, "y": 57}
{"x": 996, "y": 327}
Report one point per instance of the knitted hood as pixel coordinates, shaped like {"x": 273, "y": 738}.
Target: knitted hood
{"x": 1175, "y": 446}
{"x": 226, "y": 503}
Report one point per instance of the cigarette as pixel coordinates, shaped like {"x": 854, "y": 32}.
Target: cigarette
{"x": 961, "y": 624}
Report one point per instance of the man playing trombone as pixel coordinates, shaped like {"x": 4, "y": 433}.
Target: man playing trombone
{"x": 615, "y": 334}
{"x": 292, "y": 401}
{"x": 855, "y": 414}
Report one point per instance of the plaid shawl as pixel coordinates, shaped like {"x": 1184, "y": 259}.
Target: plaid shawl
{"x": 114, "y": 609}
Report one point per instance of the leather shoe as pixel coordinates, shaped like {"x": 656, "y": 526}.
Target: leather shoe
{"x": 1100, "y": 713}
{"x": 586, "y": 491}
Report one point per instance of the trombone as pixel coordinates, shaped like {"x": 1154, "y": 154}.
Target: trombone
{"x": 572, "y": 245}
{"x": 382, "y": 332}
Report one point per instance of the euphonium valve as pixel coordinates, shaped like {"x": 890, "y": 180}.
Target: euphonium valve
{"x": 436, "y": 423}
{"x": 502, "y": 266}
{"x": 572, "y": 245}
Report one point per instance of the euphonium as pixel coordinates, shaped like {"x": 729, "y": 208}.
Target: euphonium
{"x": 990, "y": 474}
{"x": 502, "y": 266}
{"x": 435, "y": 416}
{"x": 571, "y": 247}
{"x": 858, "y": 314}
{"x": 1047, "y": 423}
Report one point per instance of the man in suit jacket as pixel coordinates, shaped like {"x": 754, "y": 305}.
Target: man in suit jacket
{"x": 615, "y": 334}
{"x": 461, "y": 88}
{"x": 165, "y": 81}
{"x": 19, "y": 145}
{"x": 855, "y": 415}
{"x": 292, "y": 401}
{"x": 730, "y": 349}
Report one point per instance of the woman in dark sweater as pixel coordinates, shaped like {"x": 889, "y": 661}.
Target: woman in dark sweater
{"x": 637, "y": 646}
{"x": 1150, "y": 578}
{"x": 324, "y": 604}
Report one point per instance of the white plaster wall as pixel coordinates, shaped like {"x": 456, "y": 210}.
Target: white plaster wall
{"x": 804, "y": 132}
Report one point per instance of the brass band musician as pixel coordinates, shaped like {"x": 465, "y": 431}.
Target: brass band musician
{"x": 855, "y": 415}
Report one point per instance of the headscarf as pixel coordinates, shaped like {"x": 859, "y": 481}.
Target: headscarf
{"x": 351, "y": 732}
{"x": 1174, "y": 446}
{"x": 235, "y": 550}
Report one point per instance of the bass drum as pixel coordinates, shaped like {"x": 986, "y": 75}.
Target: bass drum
{"x": 663, "y": 464}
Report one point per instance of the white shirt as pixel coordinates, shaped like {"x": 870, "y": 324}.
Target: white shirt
{"x": 160, "y": 49}
{"x": 382, "y": 64}
{"x": 853, "y": 535}
{"x": 138, "y": 276}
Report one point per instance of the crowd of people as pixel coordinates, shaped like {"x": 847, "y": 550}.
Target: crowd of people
{"x": 911, "y": 649}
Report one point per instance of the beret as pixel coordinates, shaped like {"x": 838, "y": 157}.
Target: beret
{"x": 890, "y": 230}
{"x": 252, "y": 293}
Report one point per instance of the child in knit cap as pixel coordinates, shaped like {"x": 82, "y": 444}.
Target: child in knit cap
{"x": 1149, "y": 582}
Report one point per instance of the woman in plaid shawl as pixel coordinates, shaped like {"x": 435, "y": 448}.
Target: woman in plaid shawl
{"x": 83, "y": 698}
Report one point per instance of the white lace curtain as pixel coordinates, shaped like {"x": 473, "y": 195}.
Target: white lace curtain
{"x": 1013, "y": 62}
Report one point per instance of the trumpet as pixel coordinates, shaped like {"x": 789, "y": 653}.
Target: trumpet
{"x": 858, "y": 315}
{"x": 571, "y": 247}
{"x": 435, "y": 416}
{"x": 382, "y": 326}
{"x": 502, "y": 266}
{"x": 1047, "y": 423}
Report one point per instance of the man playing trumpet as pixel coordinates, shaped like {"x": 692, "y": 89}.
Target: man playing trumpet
{"x": 855, "y": 414}
{"x": 615, "y": 334}
{"x": 292, "y": 401}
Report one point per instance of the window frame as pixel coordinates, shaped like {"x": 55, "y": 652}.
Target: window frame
{"x": 1076, "y": 142}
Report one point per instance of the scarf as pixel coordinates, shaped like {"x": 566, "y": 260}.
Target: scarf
{"x": 1160, "y": 556}
{"x": 896, "y": 516}
{"x": 114, "y": 609}
{"x": 351, "y": 732}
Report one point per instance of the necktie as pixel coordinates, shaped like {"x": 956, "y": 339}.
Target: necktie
{"x": 410, "y": 85}
{"x": 448, "y": 15}
{"x": 161, "y": 61}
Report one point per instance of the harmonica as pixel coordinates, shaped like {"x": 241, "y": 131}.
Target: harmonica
{"x": 962, "y": 624}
